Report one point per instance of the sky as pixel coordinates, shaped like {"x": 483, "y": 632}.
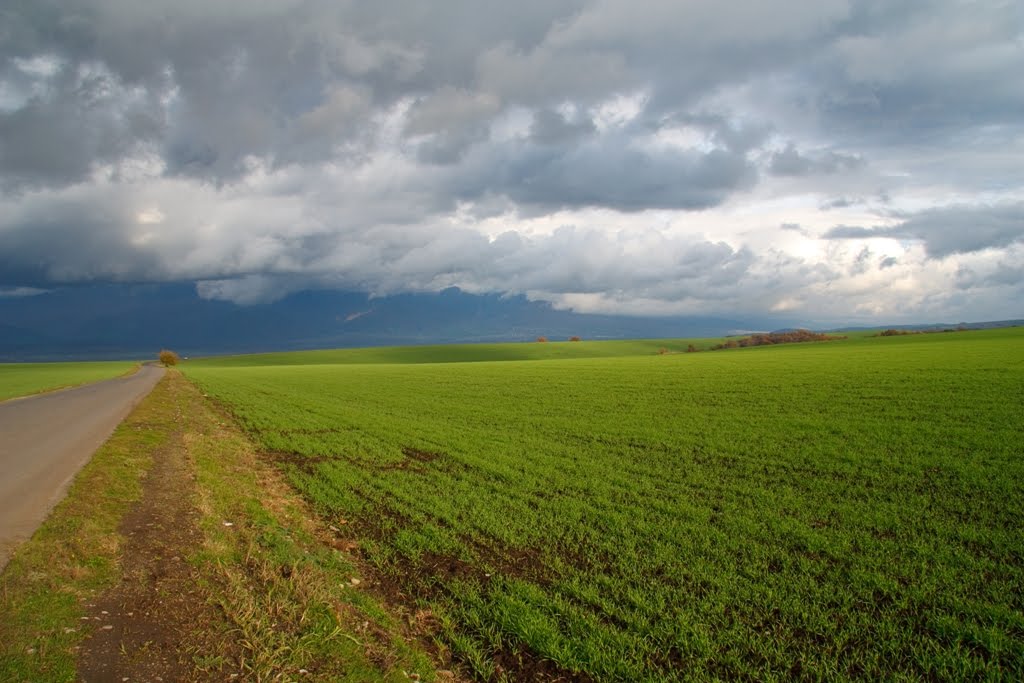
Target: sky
{"x": 821, "y": 159}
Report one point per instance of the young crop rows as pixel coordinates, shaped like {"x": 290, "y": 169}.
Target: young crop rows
{"x": 840, "y": 509}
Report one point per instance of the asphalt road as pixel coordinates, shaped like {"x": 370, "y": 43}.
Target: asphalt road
{"x": 45, "y": 440}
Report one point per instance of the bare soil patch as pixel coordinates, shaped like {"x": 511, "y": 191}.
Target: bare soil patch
{"x": 158, "y": 624}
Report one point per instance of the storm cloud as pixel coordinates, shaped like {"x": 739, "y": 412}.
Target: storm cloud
{"x": 950, "y": 230}
{"x": 856, "y": 159}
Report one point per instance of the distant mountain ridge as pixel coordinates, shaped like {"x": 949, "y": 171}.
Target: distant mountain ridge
{"x": 113, "y": 321}
{"x": 925, "y": 327}
{"x": 136, "y": 321}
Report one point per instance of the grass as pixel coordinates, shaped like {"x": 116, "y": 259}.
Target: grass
{"x": 23, "y": 379}
{"x": 290, "y": 609}
{"x": 74, "y": 555}
{"x": 454, "y": 353}
{"x": 850, "y": 509}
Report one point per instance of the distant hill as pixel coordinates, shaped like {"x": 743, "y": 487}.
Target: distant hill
{"x": 119, "y": 321}
{"x": 113, "y": 321}
{"x": 925, "y": 327}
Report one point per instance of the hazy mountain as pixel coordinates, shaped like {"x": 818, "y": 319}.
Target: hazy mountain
{"x": 137, "y": 320}
{"x": 933, "y": 327}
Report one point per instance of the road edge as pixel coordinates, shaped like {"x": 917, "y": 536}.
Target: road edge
{"x": 289, "y": 601}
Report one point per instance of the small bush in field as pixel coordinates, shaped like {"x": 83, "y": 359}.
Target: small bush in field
{"x": 168, "y": 358}
{"x": 662, "y": 351}
{"x": 691, "y": 349}
{"x": 542, "y": 339}
{"x": 574, "y": 338}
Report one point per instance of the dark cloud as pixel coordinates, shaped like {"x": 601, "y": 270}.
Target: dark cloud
{"x": 854, "y": 232}
{"x": 1001, "y": 275}
{"x": 910, "y": 73}
{"x": 223, "y": 82}
{"x": 790, "y": 162}
{"x": 838, "y": 203}
{"x": 235, "y": 81}
{"x": 85, "y": 239}
{"x": 450, "y": 147}
{"x": 72, "y": 241}
{"x": 862, "y": 262}
{"x": 795, "y": 227}
{"x": 83, "y": 116}
{"x": 950, "y": 230}
{"x": 551, "y": 127}
{"x": 609, "y": 172}
{"x": 275, "y": 144}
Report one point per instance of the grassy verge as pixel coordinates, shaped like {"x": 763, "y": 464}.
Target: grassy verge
{"x": 295, "y": 607}
{"x": 74, "y": 555}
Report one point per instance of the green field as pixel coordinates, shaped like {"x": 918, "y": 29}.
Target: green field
{"x": 456, "y": 353}
{"x": 22, "y": 379}
{"x": 848, "y": 509}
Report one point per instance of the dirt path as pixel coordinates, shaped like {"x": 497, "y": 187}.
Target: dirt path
{"x": 147, "y": 628}
{"x": 45, "y": 440}
{"x": 188, "y": 557}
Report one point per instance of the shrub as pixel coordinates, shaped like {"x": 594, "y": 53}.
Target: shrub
{"x": 794, "y": 337}
{"x": 574, "y": 338}
{"x": 542, "y": 339}
{"x": 168, "y": 358}
{"x": 895, "y": 333}
{"x": 691, "y": 349}
{"x": 662, "y": 351}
